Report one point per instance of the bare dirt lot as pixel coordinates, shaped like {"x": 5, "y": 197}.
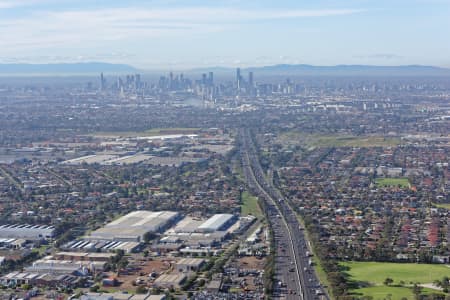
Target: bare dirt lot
{"x": 251, "y": 262}
{"x": 139, "y": 268}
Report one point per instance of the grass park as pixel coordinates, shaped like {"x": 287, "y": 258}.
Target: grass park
{"x": 250, "y": 206}
{"x": 393, "y": 182}
{"x": 369, "y": 277}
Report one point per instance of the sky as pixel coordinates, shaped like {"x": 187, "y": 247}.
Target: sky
{"x": 183, "y": 34}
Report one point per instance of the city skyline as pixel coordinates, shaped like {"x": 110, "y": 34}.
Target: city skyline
{"x": 191, "y": 34}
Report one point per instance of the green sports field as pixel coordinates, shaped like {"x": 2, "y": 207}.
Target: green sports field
{"x": 393, "y": 182}
{"x": 371, "y": 275}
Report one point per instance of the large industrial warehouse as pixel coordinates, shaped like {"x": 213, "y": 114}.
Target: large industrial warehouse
{"x": 217, "y": 222}
{"x": 26, "y": 231}
{"x": 133, "y": 226}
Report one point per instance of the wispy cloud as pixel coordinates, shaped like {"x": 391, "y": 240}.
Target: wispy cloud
{"x": 4, "y": 4}
{"x": 43, "y": 35}
{"x": 199, "y": 14}
{"x": 380, "y": 56}
{"x": 112, "y": 57}
{"x": 50, "y": 28}
{"x": 8, "y": 4}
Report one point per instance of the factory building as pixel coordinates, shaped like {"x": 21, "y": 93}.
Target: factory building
{"x": 194, "y": 233}
{"x": 91, "y": 245}
{"x": 187, "y": 265}
{"x": 26, "y": 231}
{"x": 219, "y": 222}
{"x": 53, "y": 266}
{"x": 38, "y": 280}
{"x": 84, "y": 256}
{"x": 133, "y": 226}
{"x": 119, "y": 296}
{"x": 170, "y": 281}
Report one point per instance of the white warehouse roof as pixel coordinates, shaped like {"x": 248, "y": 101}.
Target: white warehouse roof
{"x": 216, "y": 222}
{"x": 133, "y": 226}
{"x": 26, "y": 231}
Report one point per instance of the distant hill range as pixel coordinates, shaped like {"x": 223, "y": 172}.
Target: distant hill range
{"x": 339, "y": 70}
{"x": 275, "y": 70}
{"x": 65, "y": 68}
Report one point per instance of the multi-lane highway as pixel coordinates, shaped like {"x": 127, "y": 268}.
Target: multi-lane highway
{"x": 294, "y": 276}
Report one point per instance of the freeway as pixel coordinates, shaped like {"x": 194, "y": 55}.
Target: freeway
{"x": 294, "y": 275}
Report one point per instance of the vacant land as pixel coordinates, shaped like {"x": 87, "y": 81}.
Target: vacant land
{"x": 369, "y": 276}
{"x": 393, "y": 182}
{"x": 143, "y": 268}
{"x": 251, "y": 262}
{"x": 250, "y": 206}
{"x": 307, "y": 140}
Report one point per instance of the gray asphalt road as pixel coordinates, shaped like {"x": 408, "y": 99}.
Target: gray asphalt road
{"x": 294, "y": 278}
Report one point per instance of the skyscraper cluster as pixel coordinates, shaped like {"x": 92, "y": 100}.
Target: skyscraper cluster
{"x": 205, "y": 86}
{"x": 244, "y": 86}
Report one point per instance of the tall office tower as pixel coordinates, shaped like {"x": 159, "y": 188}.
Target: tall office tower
{"x": 137, "y": 81}
{"x": 182, "y": 81}
{"x": 162, "y": 82}
{"x": 250, "y": 79}
{"x": 211, "y": 78}
{"x": 102, "y": 82}
{"x": 238, "y": 78}
{"x": 204, "y": 78}
{"x": 170, "y": 81}
{"x": 119, "y": 83}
